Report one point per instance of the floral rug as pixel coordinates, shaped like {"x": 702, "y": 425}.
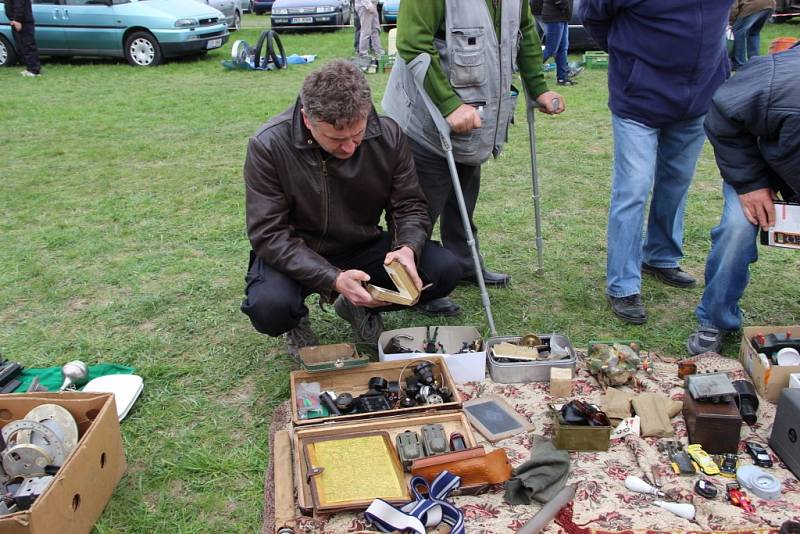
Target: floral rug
{"x": 602, "y": 503}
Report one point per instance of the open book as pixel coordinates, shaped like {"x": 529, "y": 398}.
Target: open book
{"x": 407, "y": 293}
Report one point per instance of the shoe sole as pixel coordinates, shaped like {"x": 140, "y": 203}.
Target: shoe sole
{"x": 467, "y": 281}
{"x": 627, "y": 318}
{"x": 660, "y": 277}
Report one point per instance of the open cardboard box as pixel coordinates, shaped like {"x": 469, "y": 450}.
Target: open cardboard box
{"x": 467, "y": 367}
{"x": 73, "y": 502}
{"x": 768, "y": 379}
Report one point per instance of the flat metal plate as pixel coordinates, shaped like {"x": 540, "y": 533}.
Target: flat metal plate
{"x": 41, "y": 436}
{"x": 26, "y": 460}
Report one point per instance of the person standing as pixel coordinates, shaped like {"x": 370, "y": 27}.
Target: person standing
{"x": 666, "y": 60}
{"x": 753, "y": 125}
{"x": 555, "y": 16}
{"x": 475, "y": 47}
{"x": 747, "y": 19}
{"x": 20, "y": 14}
{"x": 370, "y": 29}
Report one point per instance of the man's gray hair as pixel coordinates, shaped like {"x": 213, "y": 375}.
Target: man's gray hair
{"x": 338, "y": 94}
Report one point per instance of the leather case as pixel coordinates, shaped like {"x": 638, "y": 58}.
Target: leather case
{"x": 475, "y": 466}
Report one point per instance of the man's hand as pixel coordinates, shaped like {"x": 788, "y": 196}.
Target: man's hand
{"x": 547, "y": 103}
{"x": 464, "y": 119}
{"x": 16, "y": 25}
{"x": 350, "y": 285}
{"x": 406, "y": 257}
{"x": 759, "y": 208}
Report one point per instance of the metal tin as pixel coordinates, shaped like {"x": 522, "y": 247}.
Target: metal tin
{"x": 538, "y": 371}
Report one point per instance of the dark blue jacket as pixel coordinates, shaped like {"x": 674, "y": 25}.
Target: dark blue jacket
{"x": 19, "y": 10}
{"x": 666, "y": 57}
{"x": 754, "y": 125}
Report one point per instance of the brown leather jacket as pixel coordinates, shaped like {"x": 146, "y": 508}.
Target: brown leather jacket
{"x": 743, "y": 8}
{"x": 304, "y": 205}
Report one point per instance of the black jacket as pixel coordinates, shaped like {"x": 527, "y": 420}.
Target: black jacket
{"x": 754, "y": 125}
{"x": 304, "y": 205}
{"x": 552, "y": 10}
{"x": 19, "y": 10}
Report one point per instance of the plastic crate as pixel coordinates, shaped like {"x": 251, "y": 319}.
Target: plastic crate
{"x": 595, "y": 60}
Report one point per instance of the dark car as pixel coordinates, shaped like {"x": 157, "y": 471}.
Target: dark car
{"x": 299, "y": 14}
{"x": 579, "y": 38}
{"x": 262, "y": 6}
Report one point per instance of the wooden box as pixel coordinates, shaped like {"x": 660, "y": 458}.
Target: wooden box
{"x": 580, "y": 437}
{"x": 452, "y": 421}
{"x": 355, "y": 380}
{"x": 715, "y": 426}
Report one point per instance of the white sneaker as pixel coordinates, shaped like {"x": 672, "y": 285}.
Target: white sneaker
{"x": 30, "y": 74}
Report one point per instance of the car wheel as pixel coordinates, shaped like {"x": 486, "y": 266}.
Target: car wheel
{"x": 237, "y": 21}
{"x": 8, "y": 56}
{"x": 142, "y": 50}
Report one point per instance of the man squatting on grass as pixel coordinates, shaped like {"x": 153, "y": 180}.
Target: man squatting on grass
{"x": 754, "y": 126}
{"x": 475, "y": 47}
{"x": 666, "y": 60}
{"x": 318, "y": 178}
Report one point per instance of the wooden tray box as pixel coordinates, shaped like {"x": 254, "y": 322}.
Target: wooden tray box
{"x": 715, "y": 426}
{"x": 453, "y": 421}
{"x": 355, "y": 380}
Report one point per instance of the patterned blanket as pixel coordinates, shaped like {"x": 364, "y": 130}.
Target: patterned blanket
{"x": 602, "y": 503}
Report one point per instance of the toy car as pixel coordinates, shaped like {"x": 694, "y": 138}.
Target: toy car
{"x": 702, "y": 459}
{"x": 759, "y": 454}
{"x": 739, "y": 498}
{"x": 727, "y": 466}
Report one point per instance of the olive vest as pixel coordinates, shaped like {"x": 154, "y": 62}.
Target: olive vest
{"x": 479, "y": 66}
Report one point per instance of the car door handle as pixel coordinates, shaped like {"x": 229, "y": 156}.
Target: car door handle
{"x": 66, "y": 15}
{"x": 56, "y": 14}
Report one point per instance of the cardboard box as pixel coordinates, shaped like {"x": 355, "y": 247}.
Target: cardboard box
{"x": 560, "y": 382}
{"x": 769, "y": 379}
{"x": 73, "y": 502}
{"x": 468, "y": 367}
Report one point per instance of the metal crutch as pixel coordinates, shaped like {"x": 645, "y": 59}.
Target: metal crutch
{"x": 529, "y": 103}
{"x": 418, "y": 68}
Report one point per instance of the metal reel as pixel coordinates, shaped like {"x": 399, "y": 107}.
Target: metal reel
{"x": 240, "y": 51}
{"x": 26, "y": 460}
{"x": 57, "y": 419}
{"x": 41, "y": 436}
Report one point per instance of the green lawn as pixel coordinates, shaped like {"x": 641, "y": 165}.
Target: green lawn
{"x": 123, "y": 240}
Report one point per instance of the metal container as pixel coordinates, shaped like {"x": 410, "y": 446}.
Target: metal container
{"x": 538, "y": 371}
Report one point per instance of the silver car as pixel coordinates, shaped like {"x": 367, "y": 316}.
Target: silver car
{"x": 232, "y": 9}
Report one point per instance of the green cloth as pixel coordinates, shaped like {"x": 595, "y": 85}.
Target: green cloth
{"x": 50, "y": 377}
{"x": 541, "y": 477}
{"x": 423, "y": 19}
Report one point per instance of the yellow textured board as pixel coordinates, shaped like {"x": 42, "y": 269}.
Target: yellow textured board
{"x": 355, "y": 468}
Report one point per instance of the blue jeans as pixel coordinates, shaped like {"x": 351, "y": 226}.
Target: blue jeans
{"x": 657, "y": 160}
{"x": 747, "y": 37}
{"x": 733, "y": 249}
{"x": 556, "y": 44}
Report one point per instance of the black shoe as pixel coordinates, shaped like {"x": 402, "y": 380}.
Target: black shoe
{"x": 672, "y": 276}
{"x": 489, "y": 278}
{"x": 630, "y": 309}
{"x": 443, "y": 307}
{"x": 300, "y": 336}
{"x": 567, "y": 82}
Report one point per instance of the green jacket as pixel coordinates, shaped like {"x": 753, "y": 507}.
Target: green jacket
{"x": 419, "y": 21}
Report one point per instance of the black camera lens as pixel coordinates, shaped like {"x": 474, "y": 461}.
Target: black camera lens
{"x": 378, "y": 383}
{"x": 344, "y": 401}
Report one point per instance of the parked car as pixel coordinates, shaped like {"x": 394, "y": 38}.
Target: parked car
{"x": 389, "y": 11}
{"x": 262, "y": 6}
{"x": 579, "y": 38}
{"x": 232, "y": 9}
{"x": 144, "y": 32}
{"x": 298, "y": 14}
{"x": 785, "y": 10}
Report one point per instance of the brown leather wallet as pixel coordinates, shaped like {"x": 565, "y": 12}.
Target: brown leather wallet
{"x": 475, "y": 466}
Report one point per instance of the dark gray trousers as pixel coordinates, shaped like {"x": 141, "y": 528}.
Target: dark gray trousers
{"x": 25, "y": 40}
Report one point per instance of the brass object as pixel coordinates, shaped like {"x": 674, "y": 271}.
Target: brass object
{"x": 530, "y": 340}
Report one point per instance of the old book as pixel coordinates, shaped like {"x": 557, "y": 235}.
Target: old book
{"x": 407, "y": 293}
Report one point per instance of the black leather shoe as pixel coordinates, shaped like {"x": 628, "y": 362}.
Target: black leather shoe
{"x": 672, "y": 276}
{"x": 630, "y": 309}
{"x": 489, "y": 278}
{"x": 442, "y": 307}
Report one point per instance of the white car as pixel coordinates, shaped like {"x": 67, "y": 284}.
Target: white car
{"x": 232, "y": 9}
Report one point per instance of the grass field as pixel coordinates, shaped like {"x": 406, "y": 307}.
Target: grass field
{"x": 123, "y": 240}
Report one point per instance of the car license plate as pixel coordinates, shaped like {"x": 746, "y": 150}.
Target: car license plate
{"x": 213, "y": 43}
{"x": 302, "y": 20}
